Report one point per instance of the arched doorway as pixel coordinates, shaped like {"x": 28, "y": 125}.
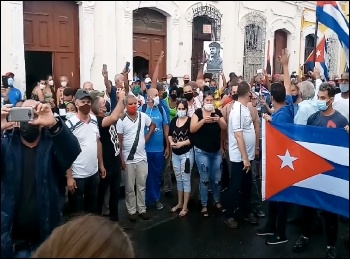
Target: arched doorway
{"x": 51, "y": 41}
{"x": 203, "y": 15}
{"x": 309, "y": 47}
{"x": 149, "y": 36}
{"x": 280, "y": 43}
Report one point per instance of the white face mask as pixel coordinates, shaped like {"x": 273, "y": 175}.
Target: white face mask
{"x": 51, "y": 82}
{"x": 168, "y": 81}
{"x": 69, "y": 115}
{"x": 42, "y": 86}
{"x": 207, "y": 84}
{"x": 208, "y": 107}
{"x": 344, "y": 87}
{"x": 64, "y": 83}
{"x": 181, "y": 113}
{"x": 156, "y": 100}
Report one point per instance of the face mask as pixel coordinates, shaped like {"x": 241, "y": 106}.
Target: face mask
{"x": 253, "y": 89}
{"x": 69, "y": 115}
{"x": 235, "y": 97}
{"x": 213, "y": 88}
{"x": 51, "y": 82}
{"x": 29, "y": 132}
{"x": 322, "y": 105}
{"x": 164, "y": 82}
{"x": 85, "y": 109}
{"x": 344, "y": 88}
{"x": 131, "y": 110}
{"x": 181, "y": 113}
{"x": 186, "y": 81}
{"x": 10, "y": 81}
{"x": 206, "y": 84}
{"x": 136, "y": 90}
{"x": 156, "y": 100}
{"x": 188, "y": 96}
{"x": 165, "y": 95}
{"x": 42, "y": 86}
{"x": 257, "y": 89}
{"x": 64, "y": 83}
{"x": 295, "y": 98}
{"x": 173, "y": 96}
{"x": 148, "y": 86}
{"x": 208, "y": 107}
{"x": 168, "y": 81}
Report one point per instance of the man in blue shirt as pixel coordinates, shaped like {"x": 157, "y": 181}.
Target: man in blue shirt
{"x": 14, "y": 94}
{"x": 155, "y": 148}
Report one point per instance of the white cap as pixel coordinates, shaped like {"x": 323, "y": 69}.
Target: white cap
{"x": 148, "y": 80}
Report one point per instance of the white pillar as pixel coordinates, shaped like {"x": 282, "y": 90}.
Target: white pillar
{"x": 17, "y": 45}
{"x": 86, "y": 39}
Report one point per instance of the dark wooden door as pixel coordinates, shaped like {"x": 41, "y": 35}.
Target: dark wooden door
{"x": 53, "y": 26}
{"x": 157, "y": 45}
{"x": 280, "y": 43}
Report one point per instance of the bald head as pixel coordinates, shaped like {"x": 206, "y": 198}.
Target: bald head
{"x": 151, "y": 93}
{"x": 88, "y": 86}
{"x": 119, "y": 80}
{"x": 28, "y": 103}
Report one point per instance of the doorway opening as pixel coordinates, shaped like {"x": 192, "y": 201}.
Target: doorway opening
{"x": 280, "y": 43}
{"x": 309, "y": 47}
{"x": 141, "y": 66}
{"x": 38, "y": 66}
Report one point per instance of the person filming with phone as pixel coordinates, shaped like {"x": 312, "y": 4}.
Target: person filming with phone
{"x": 31, "y": 160}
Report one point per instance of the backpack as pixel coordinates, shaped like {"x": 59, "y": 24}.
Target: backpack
{"x": 160, "y": 107}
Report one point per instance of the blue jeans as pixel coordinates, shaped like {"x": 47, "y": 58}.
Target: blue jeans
{"x": 155, "y": 168}
{"x": 209, "y": 173}
{"x": 183, "y": 180}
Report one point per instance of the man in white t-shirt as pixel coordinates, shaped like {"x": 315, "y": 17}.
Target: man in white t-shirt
{"x": 241, "y": 140}
{"x": 82, "y": 177}
{"x": 133, "y": 156}
{"x": 341, "y": 100}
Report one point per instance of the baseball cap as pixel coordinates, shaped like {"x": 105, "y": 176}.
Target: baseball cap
{"x": 148, "y": 80}
{"x": 81, "y": 94}
{"x": 10, "y": 74}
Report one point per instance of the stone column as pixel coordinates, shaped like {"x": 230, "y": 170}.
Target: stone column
{"x": 86, "y": 39}
{"x": 17, "y": 43}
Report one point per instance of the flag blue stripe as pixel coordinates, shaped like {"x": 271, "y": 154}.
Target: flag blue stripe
{"x": 312, "y": 134}
{"x": 333, "y": 24}
{"x": 339, "y": 171}
{"x": 325, "y": 70}
{"x": 314, "y": 199}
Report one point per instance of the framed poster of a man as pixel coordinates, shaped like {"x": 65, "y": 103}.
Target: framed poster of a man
{"x": 214, "y": 52}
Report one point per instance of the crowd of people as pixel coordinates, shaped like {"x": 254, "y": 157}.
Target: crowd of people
{"x": 82, "y": 144}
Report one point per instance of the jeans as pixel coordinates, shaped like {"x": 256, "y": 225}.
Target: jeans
{"x": 85, "y": 196}
{"x": 155, "y": 167}
{"x": 112, "y": 180}
{"x": 331, "y": 224}
{"x": 183, "y": 180}
{"x": 256, "y": 199}
{"x": 277, "y": 217}
{"x": 239, "y": 191}
{"x": 209, "y": 173}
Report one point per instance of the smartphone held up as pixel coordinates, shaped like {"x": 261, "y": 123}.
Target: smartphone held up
{"x": 21, "y": 114}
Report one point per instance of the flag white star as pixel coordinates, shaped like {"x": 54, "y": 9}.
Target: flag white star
{"x": 287, "y": 160}
{"x": 318, "y": 53}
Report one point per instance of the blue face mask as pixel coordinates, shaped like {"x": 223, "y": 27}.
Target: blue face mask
{"x": 148, "y": 86}
{"x": 294, "y": 98}
{"x": 322, "y": 105}
{"x": 213, "y": 89}
{"x": 10, "y": 81}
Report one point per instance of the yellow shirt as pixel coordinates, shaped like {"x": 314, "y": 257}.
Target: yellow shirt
{"x": 217, "y": 99}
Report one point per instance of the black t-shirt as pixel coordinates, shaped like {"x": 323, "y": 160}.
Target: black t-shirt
{"x": 207, "y": 138}
{"x": 26, "y": 225}
{"x": 180, "y": 134}
{"x": 336, "y": 120}
{"x": 110, "y": 145}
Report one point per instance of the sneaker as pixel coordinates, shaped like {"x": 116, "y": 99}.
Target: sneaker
{"x": 231, "y": 222}
{"x": 145, "y": 216}
{"x": 251, "y": 219}
{"x": 301, "y": 244}
{"x": 159, "y": 205}
{"x": 276, "y": 239}
{"x": 260, "y": 214}
{"x": 331, "y": 252}
{"x": 264, "y": 232}
{"x": 132, "y": 217}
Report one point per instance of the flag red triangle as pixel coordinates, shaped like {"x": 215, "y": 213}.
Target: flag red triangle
{"x": 320, "y": 52}
{"x": 279, "y": 175}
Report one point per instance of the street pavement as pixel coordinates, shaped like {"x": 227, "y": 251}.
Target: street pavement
{"x": 168, "y": 236}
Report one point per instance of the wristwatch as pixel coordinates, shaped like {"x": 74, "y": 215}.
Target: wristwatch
{"x": 57, "y": 127}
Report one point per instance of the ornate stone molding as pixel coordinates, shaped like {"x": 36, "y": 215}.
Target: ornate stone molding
{"x": 255, "y": 17}
{"x": 283, "y": 24}
{"x": 87, "y": 38}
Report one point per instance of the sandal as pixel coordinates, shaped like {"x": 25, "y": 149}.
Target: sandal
{"x": 175, "y": 209}
{"x": 183, "y": 213}
{"x": 205, "y": 213}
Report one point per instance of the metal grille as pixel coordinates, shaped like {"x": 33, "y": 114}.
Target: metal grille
{"x": 254, "y": 43}
{"x": 309, "y": 47}
{"x": 332, "y": 49}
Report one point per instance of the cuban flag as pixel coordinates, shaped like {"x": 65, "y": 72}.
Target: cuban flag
{"x": 306, "y": 165}
{"x": 320, "y": 61}
{"x": 330, "y": 15}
